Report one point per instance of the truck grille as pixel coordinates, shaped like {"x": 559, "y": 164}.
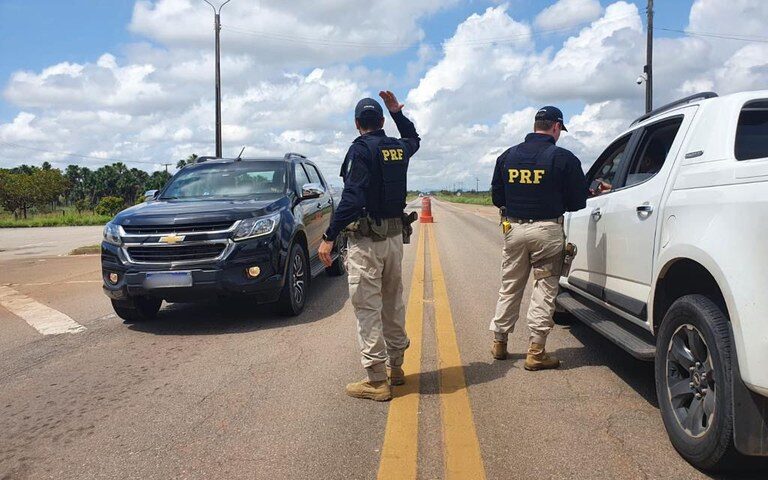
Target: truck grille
{"x": 189, "y": 228}
{"x": 176, "y": 253}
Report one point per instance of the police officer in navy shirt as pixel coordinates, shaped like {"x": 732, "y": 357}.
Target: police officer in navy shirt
{"x": 371, "y": 207}
{"x": 534, "y": 183}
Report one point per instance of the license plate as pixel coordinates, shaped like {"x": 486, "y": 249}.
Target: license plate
{"x": 167, "y": 279}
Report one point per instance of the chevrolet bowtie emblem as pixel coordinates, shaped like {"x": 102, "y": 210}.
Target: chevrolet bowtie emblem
{"x": 172, "y": 239}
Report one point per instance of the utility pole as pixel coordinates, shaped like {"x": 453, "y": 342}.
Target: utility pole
{"x": 649, "y": 61}
{"x": 166, "y": 165}
{"x": 477, "y": 185}
{"x": 217, "y": 30}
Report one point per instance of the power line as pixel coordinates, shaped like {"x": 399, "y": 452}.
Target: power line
{"x": 78, "y": 155}
{"x": 722, "y": 36}
{"x": 328, "y": 42}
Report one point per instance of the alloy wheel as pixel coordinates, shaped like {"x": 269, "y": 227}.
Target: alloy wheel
{"x": 691, "y": 386}
{"x": 298, "y": 280}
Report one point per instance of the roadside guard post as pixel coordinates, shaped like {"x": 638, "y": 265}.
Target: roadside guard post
{"x": 426, "y": 210}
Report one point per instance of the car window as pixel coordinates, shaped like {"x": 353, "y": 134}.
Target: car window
{"x": 655, "y": 143}
{"x": 752, "y": 131}
{"x": 301, "y": 177}
{"x": 602, "y": 175}
{"x": 314, "y": 175}
{"x": 224, "y": 180}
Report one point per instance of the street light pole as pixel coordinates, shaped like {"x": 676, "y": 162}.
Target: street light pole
{"x": 649, "y": 61}
{"x": 217, "y": 29}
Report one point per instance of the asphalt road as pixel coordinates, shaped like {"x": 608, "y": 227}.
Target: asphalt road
{"x": 18, "y": 243}
{"x": 235, "y": 391}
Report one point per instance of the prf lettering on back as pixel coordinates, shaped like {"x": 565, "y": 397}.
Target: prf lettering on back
{"x": 526, "y": 176}
{"x": 392, "y": 154}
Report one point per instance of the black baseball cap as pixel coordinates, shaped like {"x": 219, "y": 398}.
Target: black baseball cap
{"x": 553, "y": 114}
{"x": 368, "y": 107}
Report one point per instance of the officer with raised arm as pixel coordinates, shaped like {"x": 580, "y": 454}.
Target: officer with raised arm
{"x": 534, "y": 184}
{"x": 371, "y": 210}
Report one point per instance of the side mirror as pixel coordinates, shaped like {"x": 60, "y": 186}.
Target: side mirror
{"x": 312, "y": 190}
{"x": 150, "y": 195}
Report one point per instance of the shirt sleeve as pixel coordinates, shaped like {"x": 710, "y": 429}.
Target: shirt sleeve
{"x": 352, "y": 202}
{"x": 575, "y": 194}
{"x": 407, "y": 130}
{"x": 497, "y": 183}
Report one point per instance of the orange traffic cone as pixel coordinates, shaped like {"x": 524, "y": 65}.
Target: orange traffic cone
{"x": 426, "y": 211}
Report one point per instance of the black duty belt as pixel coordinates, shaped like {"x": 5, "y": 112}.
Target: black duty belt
{"x": 531, "y": 220}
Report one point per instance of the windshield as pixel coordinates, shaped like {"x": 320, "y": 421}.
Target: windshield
{"x": 227, "y": 180}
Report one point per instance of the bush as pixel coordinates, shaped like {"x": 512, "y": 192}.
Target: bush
{"x": 109, "y": 206}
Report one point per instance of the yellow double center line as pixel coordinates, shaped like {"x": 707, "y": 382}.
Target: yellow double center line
{"x": 461, "y": 449}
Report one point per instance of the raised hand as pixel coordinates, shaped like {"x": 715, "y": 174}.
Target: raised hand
{"x": 390, "y": 100}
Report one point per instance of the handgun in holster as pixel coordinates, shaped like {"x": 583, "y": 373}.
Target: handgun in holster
{"x": 569, "y": 253}
{"x": 408, "y": 219}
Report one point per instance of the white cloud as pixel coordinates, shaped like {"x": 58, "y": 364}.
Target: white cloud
{"x": 601, "y": 62}
{"x": 299, "y": 31}
{"x": 103, "y": 84}
{"x": 566, "y": 13}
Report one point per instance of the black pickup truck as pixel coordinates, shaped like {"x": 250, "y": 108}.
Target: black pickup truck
{"x": 220, "y": 228}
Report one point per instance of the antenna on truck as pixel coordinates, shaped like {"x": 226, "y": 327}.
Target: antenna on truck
{"x": 240, "y": 155}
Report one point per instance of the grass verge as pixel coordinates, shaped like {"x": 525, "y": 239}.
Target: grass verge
{"x": 473, "y": 199}
{"x": 53, "y": 220}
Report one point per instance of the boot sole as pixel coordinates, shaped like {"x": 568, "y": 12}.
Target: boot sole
{"x": 379, "y": 397}
{"x": 536, "y": 369}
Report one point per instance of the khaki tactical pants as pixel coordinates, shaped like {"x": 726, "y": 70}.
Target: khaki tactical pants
{"x": 376, "y": 289}
{"x": 538, "y": 246}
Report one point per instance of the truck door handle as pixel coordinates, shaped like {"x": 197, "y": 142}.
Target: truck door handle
{"x": 645, "y": 208}
{"x": 596, "y": 214}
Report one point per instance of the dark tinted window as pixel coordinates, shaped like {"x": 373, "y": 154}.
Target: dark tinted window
{"x": 602, "y": 175}
{"x": 654, "y": 147}
{"x": 225, "y": 180}
{"x": 752, "y": 131}
{"x": 301, "y": 177}
{"x": 314, "y": 176}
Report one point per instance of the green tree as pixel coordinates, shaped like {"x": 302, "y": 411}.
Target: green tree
{"x": 109, "y": 206}
{"x": 190, "y": 160}
{"x": 16, "y": 193}
{"x": 158, "y": 180}
{"x": 47, "y": 186}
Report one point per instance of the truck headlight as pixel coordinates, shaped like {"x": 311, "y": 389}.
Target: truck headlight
{"x": 256, "y": 227}
{"x": 112, "y": 234}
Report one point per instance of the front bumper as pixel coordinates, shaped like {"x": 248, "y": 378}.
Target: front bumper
{"x": 220, "y": 278}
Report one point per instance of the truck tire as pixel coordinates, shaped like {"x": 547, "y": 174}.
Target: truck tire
{"x": 293, "y": 297}
{"x": 137, "y": 309}
{"x": 339, "y": 266}
{"x": 693, "y": 383}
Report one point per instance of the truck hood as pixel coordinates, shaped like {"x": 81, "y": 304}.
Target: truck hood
{"x": 185, "y": 212}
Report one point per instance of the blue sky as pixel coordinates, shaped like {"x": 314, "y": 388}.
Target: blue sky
{"x": 137, "y": 85}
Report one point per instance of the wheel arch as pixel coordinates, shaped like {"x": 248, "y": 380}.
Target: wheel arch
{"x": 684, "y": 276}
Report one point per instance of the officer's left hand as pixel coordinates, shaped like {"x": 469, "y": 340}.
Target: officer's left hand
{"x": 324, "y": 252}
{"x": 390, "y": 100}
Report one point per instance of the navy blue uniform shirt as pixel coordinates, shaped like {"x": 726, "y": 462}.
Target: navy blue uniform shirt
{"x": 537, "y": 180}
{"x": 356, "y": 172}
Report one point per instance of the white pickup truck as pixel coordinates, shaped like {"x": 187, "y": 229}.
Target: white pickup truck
{"x": 672, "y": 266}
